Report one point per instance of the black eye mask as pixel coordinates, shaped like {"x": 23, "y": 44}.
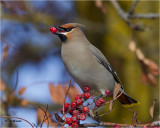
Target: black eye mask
{"x": 61, "y": 29}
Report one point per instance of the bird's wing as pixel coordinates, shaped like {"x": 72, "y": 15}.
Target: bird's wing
{"x": 102, "y": 60}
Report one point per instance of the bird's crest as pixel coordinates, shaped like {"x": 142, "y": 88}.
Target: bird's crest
{"x": 69, "y": 25}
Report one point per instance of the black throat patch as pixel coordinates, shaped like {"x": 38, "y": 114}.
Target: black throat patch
{"x": 62, "y": 37}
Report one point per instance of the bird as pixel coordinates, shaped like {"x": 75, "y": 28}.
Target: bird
{"x": 86, "y": 64}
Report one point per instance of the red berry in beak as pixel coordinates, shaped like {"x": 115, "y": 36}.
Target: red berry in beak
{"x": 53, "y": 29}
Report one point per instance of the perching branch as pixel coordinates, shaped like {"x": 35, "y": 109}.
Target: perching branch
{"x": 126, "y": 16}
{"x": 108, "y": 124}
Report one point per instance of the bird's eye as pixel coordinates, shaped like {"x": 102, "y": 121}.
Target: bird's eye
{"x": 69, "y": 29}
{"x": 61, "y": 29}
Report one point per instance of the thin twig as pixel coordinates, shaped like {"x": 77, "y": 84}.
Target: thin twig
{"x": 66, "y": 97}
{"x": 63, "y": 125}
{"x": 63, "y": 104}
{"x": 45, "y": 114}
{"x": 144, "y": 16}
{"x": 119, "y": 94}
{"x": 124, "y": 15}
{"x": 51, "y": 114}
{"x": 93, "y": 116}
{"x": 131, "y": 11}
{"x": 108, "y": 124}
{"x": 132, "y": 122}
{"x": 120, "y": 11}
{"x": 58, "y": 121}
{"x": 108, "y": 111}
{"x": 130, "y": 15}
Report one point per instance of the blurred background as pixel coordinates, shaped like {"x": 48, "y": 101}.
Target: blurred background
{"x": 31, "y": 62}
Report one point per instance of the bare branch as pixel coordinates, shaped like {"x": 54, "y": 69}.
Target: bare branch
{"x": 144, "y": 16}
{"x": 108, "y": 124}
{"x": 119, "y": 10}
{"x": 127, "y": 16}
{"x": 45, "y": 115}
{"x": 124, "y": 15}
{"x": 131, "y": 11}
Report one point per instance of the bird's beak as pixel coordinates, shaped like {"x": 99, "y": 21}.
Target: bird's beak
{"x": 57, "y": 30}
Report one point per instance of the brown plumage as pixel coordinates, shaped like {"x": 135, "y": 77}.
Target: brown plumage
{"x": 72, "y": 25}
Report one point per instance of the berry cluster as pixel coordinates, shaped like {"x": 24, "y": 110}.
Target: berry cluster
{"x": 77, "y": 110}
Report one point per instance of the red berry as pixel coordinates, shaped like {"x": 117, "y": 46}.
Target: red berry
{"x": 101, "y": 100}
{"x": 71, "y": 111}
{"x": 79, "y": 101}
{"x": 53, "y": 29}
{"x": 85, "y": 109}
{"x": 66, "y": 106}
{"x": 68, "y": 120}
{"x": 82, "y": 95}
{"x": 82, "y": 116}
{"x": 74, "y": 125}
{"x": 77, "y": 97}
{"x": 107, "y": 92}
{"x": 74, "y": 118}
{"x": 98, "y": 103}
{"x": 73, "y": 104}
{"x": 86, "y": 89}
{"x": 116, "y": 126}
{"x": 86, "y": 95}
{"x": 64, "y": 111}
{"x": 145, "y": 127}
{"x": 75, "y": 112}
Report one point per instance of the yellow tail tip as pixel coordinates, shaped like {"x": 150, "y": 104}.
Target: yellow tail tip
{"x": 131, "y": 105}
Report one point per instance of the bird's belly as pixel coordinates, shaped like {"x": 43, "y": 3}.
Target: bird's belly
{"x": 85, "y": 69}
{"x": 85, "y": 75}
{"x": 79, "y": 74}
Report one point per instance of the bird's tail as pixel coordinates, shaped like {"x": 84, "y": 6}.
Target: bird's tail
{"x": 127, "y": 101}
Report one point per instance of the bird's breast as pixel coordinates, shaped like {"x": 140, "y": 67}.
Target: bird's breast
{"x": 78, "y": 61}
{"x": 83, "y": 67}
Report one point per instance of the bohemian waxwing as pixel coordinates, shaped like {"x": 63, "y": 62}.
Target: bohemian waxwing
{"x": 85, "y": 63}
